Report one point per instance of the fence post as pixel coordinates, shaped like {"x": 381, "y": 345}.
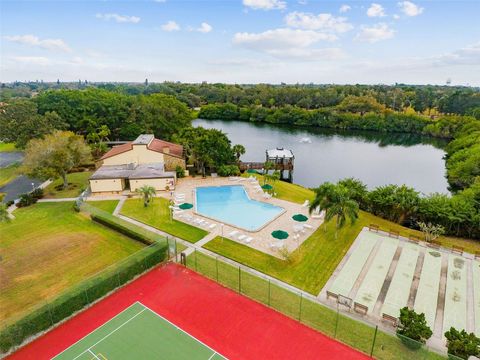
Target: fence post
{"x": 118, "y": 279}
{"x": 50, "y": 312}
{"x": 239, "y": 280}
{"x": 336, "y": 323}
{"x": 195, "y": 259}
{"x": 86, "y": 296}
{"x": 269, "y": 293}
{"x": 216, "y": 267}
{"x": 300, "y": 311}
{"x": 373, "y": 343}
{"x": 176, "y": 259}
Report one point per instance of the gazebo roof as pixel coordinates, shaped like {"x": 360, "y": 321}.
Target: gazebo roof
{"x": 279, "y": 153}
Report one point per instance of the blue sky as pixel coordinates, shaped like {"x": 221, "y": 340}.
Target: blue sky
{"x": 242, "y": 41}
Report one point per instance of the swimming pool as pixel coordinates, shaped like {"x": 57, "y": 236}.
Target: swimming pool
{"x": 231, "y": 205}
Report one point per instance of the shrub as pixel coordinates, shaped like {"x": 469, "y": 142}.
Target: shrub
{"x": 10, "y": 203}
{"x": 413, "y": 326}
{"x": 228, "y": 170}
{"x": 37, "y": 193}
{"x": 180, "y": 172}
{"x": 462, "y": 344}
{"x": 26, "y": 200}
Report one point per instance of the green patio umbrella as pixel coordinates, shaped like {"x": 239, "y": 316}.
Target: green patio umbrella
{"x": 299, "y": 217}
{"x": 185, "y": 206}
{"x": 280, "y": 234}
{"x": 252, "y": 171}
{"x": 267, "y": 187}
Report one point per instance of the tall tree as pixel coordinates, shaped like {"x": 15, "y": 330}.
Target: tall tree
{"x": 55, "y": 155}
{"x": 239, "y": 150}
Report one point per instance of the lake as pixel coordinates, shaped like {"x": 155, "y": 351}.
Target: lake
{"x": 327, "y": 155}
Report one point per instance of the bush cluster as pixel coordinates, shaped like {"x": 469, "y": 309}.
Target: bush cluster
{"x": 228, "y": 170}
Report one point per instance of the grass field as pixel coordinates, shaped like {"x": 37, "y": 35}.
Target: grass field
{"x": 105, "y": 205}
{"x": 8, "y": 173}
{"x": 152, "y": 335}
{"x": 77, "y": 182}
{"x": 7, "y": 147}
{"x": 48, "y": 248}
{"x": 351, "y": 332}
{"x": 157, "y": 214}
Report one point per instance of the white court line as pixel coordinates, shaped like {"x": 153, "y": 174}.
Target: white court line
{"x": 105, "y": 323}
{"x": 91, "y": 352}
{"x": 186, "y": 333}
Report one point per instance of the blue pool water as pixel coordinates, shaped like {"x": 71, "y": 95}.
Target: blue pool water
{"x": 231, "y": 205}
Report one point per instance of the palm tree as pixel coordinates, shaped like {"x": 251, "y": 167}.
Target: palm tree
{"x": 238, "y": 150}
{"x": 336, "y": 201}
{"x": 267, "y": 166}
{"x": 148, "y": 192}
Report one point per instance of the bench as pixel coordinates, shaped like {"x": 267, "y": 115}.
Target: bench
{"x": 360, "y": 308}
{"x": 344, "y": 301}
{"x": 373, "y": 227}
{"x": 457, "y": 250}
{"x": 390, "y": 319}
{"x": 331, "y": 294}
{"x": 393, "y": 233}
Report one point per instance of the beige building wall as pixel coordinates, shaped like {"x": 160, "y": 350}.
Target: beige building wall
{"x": 138, "y": 155}
{"x": 158, "y": 184}
{"x": 107, "y": 185}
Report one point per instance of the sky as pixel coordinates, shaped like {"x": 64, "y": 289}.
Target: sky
{"x": 242, "y": 41}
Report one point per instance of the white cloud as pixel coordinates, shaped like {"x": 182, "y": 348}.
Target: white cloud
{"x": 265, "y": 4}
{"x": 170, "y": 26}
{"x": 345, "y": 8}
{"x": 32, "y": 60}
{"x": 118, "y": 18}
{"x": 409, "y": 8}
{"x": 204, "y": 28}
{"x": 32, "y": 40}
{"x": 326, "y": 22}
{"x": 396, "y": 16}
{"x": 376, "y": 10}
{"x": 375, "y": 33}
{"x": 309, "y": 54}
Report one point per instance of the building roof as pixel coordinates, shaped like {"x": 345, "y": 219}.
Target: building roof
{"x": 130, "y": 171}
{"x": 152, "y": 144}
{"x": 279, "y": 153}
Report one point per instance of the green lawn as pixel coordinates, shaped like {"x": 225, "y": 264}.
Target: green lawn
{"x": 105, "y": 205}
{"x": 48, "y": 248}
{"x": 157, "y": 214}
{"x": 77, "y": 182}
{"x": 8, "y": 173}
{"x": 317, "y": 316}
{"x": 7, "y": 147}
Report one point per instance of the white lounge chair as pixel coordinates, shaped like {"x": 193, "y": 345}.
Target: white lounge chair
{"x": 233, "y": 233}
{"x": 242, "y": 237}
{"x": 233, "y": 178}
{"x": 306, "y": 203}
{"x": 307, "y": 226}
{"x": 249, "y": 239}
{"x": 212, "y": 226}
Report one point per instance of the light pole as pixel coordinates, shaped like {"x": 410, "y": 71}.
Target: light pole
{"x": 33, "y": 186}
{"x": 221, "y": 227}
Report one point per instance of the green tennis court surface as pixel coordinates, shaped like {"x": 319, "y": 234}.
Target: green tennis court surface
{"x": 138, "y": 333}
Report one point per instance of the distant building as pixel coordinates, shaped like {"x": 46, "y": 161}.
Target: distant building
{"x": 145, "y": 161}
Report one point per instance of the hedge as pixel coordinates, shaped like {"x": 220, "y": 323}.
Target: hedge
{"x": 127, "y": 229}
{"x": 80, "y": 296}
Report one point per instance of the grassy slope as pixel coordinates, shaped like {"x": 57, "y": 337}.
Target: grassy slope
{"x": 157, "y": 214}
{"x": 105, "y": 205}
{"x": 47, "y": 240}
{"x": 77, "y": 182}
{"x": 8, "y": 173}
{"x": 313, "y": 262}
{"x": 7, "y": 147}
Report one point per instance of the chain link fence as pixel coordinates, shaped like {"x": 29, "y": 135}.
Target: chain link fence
{"x": 364, "y": 337}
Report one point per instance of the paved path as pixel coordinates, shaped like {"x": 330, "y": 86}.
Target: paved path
{"x": 119, "y": 206}
{"x": 58, "y": 200}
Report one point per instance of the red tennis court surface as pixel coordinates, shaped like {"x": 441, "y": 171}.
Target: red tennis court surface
{"x": 233, "y": 325}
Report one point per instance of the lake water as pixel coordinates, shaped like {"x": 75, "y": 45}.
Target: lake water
{"x": 375, "y": 158}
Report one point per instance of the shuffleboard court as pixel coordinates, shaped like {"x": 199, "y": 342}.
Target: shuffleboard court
{"x": 348, "y": 275}
{"x": 427, "y": 293}
{"x": 476, "y": 292}
{"x": 138, "y": 332}
{"x": 399, "y": 291}
{"x": 373, "y": 282}
{"x": 455, "y": 313}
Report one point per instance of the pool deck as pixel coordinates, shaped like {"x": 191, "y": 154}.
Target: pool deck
{"x": 262, "y": 239}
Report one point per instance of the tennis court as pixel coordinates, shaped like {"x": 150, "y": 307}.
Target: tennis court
{"x": 138, "y": 333}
